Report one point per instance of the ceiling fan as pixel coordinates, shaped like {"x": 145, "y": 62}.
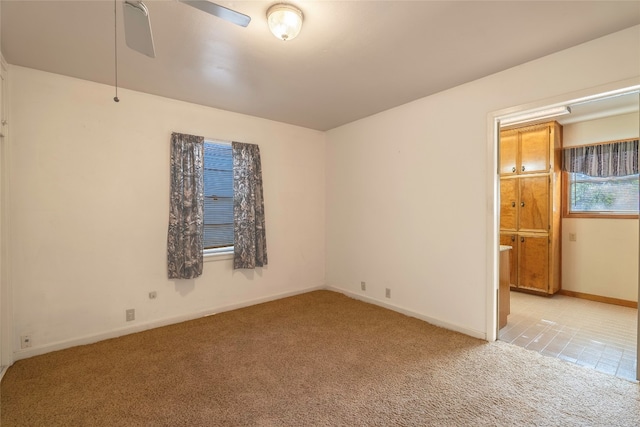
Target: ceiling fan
{"x": 137, "y": 26}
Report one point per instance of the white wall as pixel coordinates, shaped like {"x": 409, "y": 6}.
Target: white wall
{"x": 408, "y": 206}
{"x": 603, "y": 260}
{"x": 89, "y": 210}
{"x": 613, "y": 128}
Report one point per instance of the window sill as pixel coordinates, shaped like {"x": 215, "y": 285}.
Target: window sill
{"x": 599, "y": 215}
{"x": 217, "y": 254}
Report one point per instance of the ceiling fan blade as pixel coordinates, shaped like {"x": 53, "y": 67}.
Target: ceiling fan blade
{"x": 220, "y": 11}
{"x": 137, "y": 27}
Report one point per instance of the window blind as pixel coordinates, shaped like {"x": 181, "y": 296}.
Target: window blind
{"x": 218, "y": 195}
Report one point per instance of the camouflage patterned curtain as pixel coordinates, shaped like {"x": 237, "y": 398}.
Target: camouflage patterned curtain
{"x": 603, "y": 160}
{"x": 184, "y": 241}
{"x": 250, "y": 243}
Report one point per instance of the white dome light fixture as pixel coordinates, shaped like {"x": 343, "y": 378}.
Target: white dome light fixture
{"x": 285, "y": 21}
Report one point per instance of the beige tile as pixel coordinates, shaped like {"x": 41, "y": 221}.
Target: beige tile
{"x": 587, "y": 358}
{"x": 541, "y": 341}
{"x": 591, "y": 334}
{"x": 557, "y": 344}
{"x": 627, "y": 374}
{"x": 573, "y": 350}
{"x": 612, "y": 352}
{"x": 607, "y": 368}
{"x": 629, "y": 364}
{"x": 567, "y": 358}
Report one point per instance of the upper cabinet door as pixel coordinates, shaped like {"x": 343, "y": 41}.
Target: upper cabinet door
{"x": 508, "y": 153}
{"x": 534, "y": 151}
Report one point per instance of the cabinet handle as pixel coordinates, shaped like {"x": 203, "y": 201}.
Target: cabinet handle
{"x": 513, "y": 204}
{"x": 513, "y": 169}
{"x": 522, "y": 168}
{"x": 522, "y": 204}
{"x": 522, "y": 240}
{"x": 513, "y": 238}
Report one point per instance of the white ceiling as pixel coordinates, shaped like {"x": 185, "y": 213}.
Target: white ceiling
{"x": 352, "y": 58}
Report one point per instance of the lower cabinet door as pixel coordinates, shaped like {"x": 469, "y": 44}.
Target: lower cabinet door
{"x": 511, "y": 240}
{"x": 533, "y": 262}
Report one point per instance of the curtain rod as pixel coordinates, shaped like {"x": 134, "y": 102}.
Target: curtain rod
{"x": 601, "y": 143}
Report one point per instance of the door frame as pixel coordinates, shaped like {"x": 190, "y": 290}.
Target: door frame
{"x": 6, "y": 298}
{"x": 493, "y": 183}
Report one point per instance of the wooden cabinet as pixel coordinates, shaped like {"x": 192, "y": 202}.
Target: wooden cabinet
{"x": 525, "y": 152}
{"x": 524, "y": 203}
{"x": 504, "y": 303}
{"x": 534, "y": 151}
{"x": 530, "y": 205}
{"x": 534, "y": 204}
{"x": 508, "y": 153}
{"x": 509, "y": 190}
{"x": 510, "y": 240}
{"x": 533, "y": 262}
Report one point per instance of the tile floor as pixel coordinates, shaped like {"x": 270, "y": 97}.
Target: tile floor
{"x": 588, "y": 333}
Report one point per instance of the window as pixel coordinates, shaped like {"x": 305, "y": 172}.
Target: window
{"x": 615, "y": 195}
{"x": 218, "y": 197}
{"x": 601, "y": 180}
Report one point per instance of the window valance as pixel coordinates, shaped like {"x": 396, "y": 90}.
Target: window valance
{"x": 603, "y": 160}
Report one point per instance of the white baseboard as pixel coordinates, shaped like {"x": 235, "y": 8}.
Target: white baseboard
{"x": 437, "y": 322}
{"x": 89, "y": 339}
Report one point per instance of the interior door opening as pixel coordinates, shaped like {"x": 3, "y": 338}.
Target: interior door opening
{"x": 589, "y": 112}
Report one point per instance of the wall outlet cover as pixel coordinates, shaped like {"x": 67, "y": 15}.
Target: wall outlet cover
{"x": 25, "y": 341}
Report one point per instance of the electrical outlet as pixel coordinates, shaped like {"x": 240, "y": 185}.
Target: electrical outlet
{"x": 572, "y": 237}
{"x": 387, "y": 293}
{"x": 131, "y": 314}
{"x": 25, "y": 341}
{"x": 363, "y": 286}
{"x": 153, "y": 295}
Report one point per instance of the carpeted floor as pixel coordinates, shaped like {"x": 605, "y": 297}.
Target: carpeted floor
{"x": 318, "y": 359}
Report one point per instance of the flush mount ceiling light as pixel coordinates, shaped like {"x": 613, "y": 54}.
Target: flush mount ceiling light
{"x": 285, "y": 21}
{"x": 535, "y": 115}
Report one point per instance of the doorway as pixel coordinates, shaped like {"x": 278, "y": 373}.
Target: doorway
{"x": 586, "y": 108}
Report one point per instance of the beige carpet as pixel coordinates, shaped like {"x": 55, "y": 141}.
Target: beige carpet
{"x": 318, "y": 359}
